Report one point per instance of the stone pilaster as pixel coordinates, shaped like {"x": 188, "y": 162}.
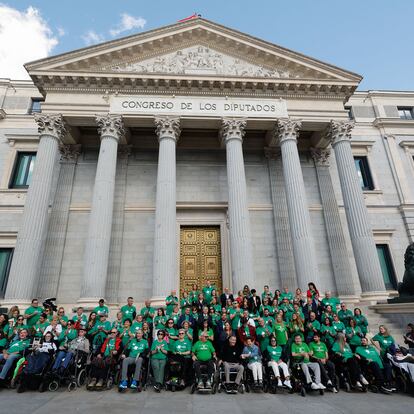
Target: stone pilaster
{"x": 345, "y": 283}
{"x": 115, "y": 253}
{"x": 366, "y": 257}
{"x": 96, "y": 258}
{"x": 284, "y": 251}
{"x": 28, "y": 252}
{"x": 299, "y": 217}
{"x": 165, "y": 237}
{"x": 232, "y": 133}
{"x": 59, "y": 215}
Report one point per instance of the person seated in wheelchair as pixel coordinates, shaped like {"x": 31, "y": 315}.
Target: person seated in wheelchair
{"x": 104, "y": 360}
{"x": 319, "y": 354}
{"x": 204, "y": 355}
{"x": 251, "y": 354}
{"x": 372, "y": 362}
{"x": 301, "y": 355}
{"x": 134, "y": 353}
{"x": 274, "y": 355}
{"x": 180, "y": 353}
{"x": 231, "y": 361}
{"x": 66, "y": 353}
{"x": 14, "y": 352}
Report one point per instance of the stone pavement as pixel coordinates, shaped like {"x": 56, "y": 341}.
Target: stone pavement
{"x": 81, "y": 401}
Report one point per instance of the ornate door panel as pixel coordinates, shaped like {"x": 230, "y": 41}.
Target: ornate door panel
{"x": 200, "y": 257}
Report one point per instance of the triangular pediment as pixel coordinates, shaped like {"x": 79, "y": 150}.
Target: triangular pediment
{"x": 196, "y": 49}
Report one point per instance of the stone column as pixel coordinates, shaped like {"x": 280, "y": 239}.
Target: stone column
{"x": 284, "y": 251}
{"x": 59, "y": 216}
{"x": 165, "y": 237}
{"x": 28, "y": 252}
{"x": 98, "y": 241}
{"x": 346, "y": 285}
{"x": 299, "y": 217}
{"x": 232, "y": 133}
{"x": 363, "y": 244}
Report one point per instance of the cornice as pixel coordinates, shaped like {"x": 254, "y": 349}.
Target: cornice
{"x": 393, "y": 122}
{"x": 2, "y": 113}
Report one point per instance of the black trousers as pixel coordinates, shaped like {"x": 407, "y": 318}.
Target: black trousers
{"x": 197, "y": 368}
{"x": 184, "y": 372}
{"x": 375, "y": 370}
{"x": 352, "y": 366}
{"x": 328, "y": 372}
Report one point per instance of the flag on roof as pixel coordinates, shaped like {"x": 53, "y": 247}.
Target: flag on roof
{"x": 194, "y": 16}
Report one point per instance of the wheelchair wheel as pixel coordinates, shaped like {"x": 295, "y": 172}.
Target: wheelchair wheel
{"x": 53, "y": 386}
{"x": 241, "y": 388}
{"x": 109, "y": 383}
{"x": 42, "y": 386}
{"x": 303, "y": 392}
{"x": 247, "y": 387}
{"x": 172, "y": 388}
{"x": 265, "y": 387}
{"x": 72, "y": 386}
{"x": 214, "y": 389}
{"x": 81, "y": 379}
{"x": 219, "y": 388}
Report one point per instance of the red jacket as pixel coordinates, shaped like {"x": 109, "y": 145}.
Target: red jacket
{"x": 117, "y": 344}
{"x": 241, "y": 333}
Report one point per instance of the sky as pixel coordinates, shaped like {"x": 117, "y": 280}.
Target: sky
{"x": 373, "y": 38}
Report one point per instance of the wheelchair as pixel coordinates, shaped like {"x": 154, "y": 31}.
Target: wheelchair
{"x": 204, "y": 378}
{"x": 298, "y": 381}
{"x": 231, "y": 387}
{"x": 175, "y": 374}
{"x": 250, "y": 384}
{"x": 112, "y": 370}
{"x": 271, "y": 381}
{"x": 131, "y": 370}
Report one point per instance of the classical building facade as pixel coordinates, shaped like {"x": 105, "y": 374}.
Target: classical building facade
{"x": 195, "y": 152}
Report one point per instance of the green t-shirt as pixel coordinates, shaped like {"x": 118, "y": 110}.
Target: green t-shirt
{"x": 262, "y": 335}
{"x": 318, "y": 350}
{"x": 173, "y": 300}
{"x": 369, "y": 353}
{"x": 128, "y": 312}
{"x": 339, "y": 326}
{"x": 288, "y": 296}
{"x": 275, "y": 353}
{"x": 159, "y": 355}
{"x": 299, "y": 349}
{"x": 83, "y": 319}
{"x": 18, "y": 346}
{"x": 269, "y": 321}
{"x": 384, "y": 341}
{"x": 182, "y": 346}
{"x": 329, "y": 334}
{"x": 159, "y": 322}
{"x": 39, "y": 328}
{"x": 203, "y": 350}
{"x": 346, "y": 353}
{"x": 146, "y": 312}
{"x": 101, "y": 310}
{"x": 235, "y": 321}
{"x": 136, "y": 347}
{"x": 334, "y": 302}
{"x": 353, "y": 335}
{"x": 30, "y": 311}
{"x": 345, "y": 316}
{"x": 171, "y": 332}
{"x": 184, "y": 302}
{"x": 362, "y": 322}
{"x": 125, "y": 335}
{"x": 67, "y": 335}
{"x": 280, "y": 330}
{"x": 207, "y": 292}
{"x": 135, "y": 326}
{"x": 6, "y": 332}
{"x": 110, "y": 346}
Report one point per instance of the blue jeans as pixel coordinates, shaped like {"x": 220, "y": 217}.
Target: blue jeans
{"x": 8, "y": 364}
{"x": 62, "y": 360}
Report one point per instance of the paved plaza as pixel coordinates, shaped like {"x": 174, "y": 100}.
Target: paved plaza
{"x": 82, "y": 401}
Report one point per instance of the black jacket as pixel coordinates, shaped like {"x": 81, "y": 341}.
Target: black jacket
{"x": 223, "y": 299}
{"x": 231, "y": 353}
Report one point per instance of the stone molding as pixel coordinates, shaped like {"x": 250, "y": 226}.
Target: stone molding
{"x": 110, "y": 125}
{"x": 339, "y": 131}
{"x": 167, "y": 127}
{"x": 272, "y": 153}
{"x": 287, "y": 129}
{"x": 51, "y": 125}
{"x": 321, "y": 156}
{"x": 232, "y": 128}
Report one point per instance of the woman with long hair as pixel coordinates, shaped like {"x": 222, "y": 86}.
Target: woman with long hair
{"x": 4, "y": 330}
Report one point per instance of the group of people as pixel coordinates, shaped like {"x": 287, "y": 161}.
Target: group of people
{"x": 204, "y": 330}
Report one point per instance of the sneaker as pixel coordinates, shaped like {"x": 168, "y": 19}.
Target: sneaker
{"x": 123, "y": 384}
{"x": 364, "y": 380}
{"x": 329, "y": 383}
{"x": 334, "y": 390}
{"x": 385, "y": 389}
{"x": 287, "y": 384}
{"x": 314, "y": 386}
{"x": 358, "y": 384}
{"x": 321, "y": 386}
{"x": 134, "y": 384}
{"x": 157, "y": 388}
{"x": 279, "y": 383}
{"x": 100, "y": 383}
{"x": 92, "y": 383}
{"x": 208, "y": 384}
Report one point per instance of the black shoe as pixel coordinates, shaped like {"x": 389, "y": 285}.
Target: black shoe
{"x": 385, "y": 389}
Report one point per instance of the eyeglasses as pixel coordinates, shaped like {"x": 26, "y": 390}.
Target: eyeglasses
{"x": 160, "y": 334}
{"x": 20, "y": 319}
{"x": 113, "y": 333}
{"x": 180, "y": 333}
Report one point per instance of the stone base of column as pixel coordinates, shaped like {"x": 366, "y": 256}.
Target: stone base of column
{"x": 158, "y": 302}
{"x": 374, "y": 297}
{"x": 22, "y": 304}
{"x": 350, "y": 299}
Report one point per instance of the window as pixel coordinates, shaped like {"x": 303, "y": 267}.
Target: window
{"x": 36, "y": 105}
{"x": 405, "y": 112}
{"x": 350, "y": 113}
{"x": 364, "y": 174}
{"x": 5, "y": 262}
{"x": 387, "y": 267}
{"x": 23, "y": 170}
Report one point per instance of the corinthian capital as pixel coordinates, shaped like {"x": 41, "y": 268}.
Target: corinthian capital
{"x": 232, "y": 128}
{"x": 110, "y": 125}
{"x": 167, "y": 127}
{"x": 69, "y": 153}
{"x": 320, "y": 156}
{"x": 287, "y": 129}
{"x": 52, "y": 125}
{"x": 339, "y": 131}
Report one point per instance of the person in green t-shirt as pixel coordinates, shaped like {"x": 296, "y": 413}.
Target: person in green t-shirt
{"x": 312, "y": 326}
{"x": 319, "y": 354}
{"x": 203, "y": 354}
{"x": 286, "y": 294}
{"x": 181, "y": 353}
{"x": 62, "y": 318}
{"x": 4, "y": 330}
{"x": 137, "y": 323}
{"x": 274, "y": 354}
{"x": 80, "y": 318}
{"x": 345, "y": 314}
{"x": 353, "y": 334}
{"x": 126, "y": 333}
{"x": 185, "y": 301}
{"x": 263, "y": 333}
{"x": 372, "y": 360}
{"x": 148, "y": 312}
{"x": 331, "y": 301}
{"x": 328, "y": 333}
{"x": 193, "y": 294}
{"x": 171, "y": 332}
{"x": 280, "y": 330}
{"x": 133, "y": 354}
{"x": 67, "y": 335}
{"x": 385, "y": 341}
{"x": 117, "y": 323}
{"x": 337, "y": 324}
{"x": 129, "y": 310}
{"x": 40, "y": 326}
{"x": 14, "y": 351}
{"x": 159, "y": 322}
{"x": 234, "y": 315}
{"x": 361, "y": 320}
{"x": 99, "y": 331}
{"x": 267, "y": 294}
{"x": 207, "y": 291}
{"x": 32, "y": 313}
{"x": 301, "y": 355}
{"x": 101, "y": 309}
{"x": 159, "y": 352}
{"x": 171, "y": 301}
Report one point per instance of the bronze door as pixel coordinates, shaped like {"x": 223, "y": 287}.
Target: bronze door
{"x": 200, "y": 257}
